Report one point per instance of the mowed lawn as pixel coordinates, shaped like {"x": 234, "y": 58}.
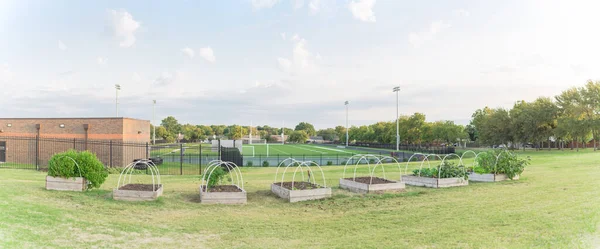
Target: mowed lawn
{"x": 556, "y": 204}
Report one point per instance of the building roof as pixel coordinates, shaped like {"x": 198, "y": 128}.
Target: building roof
{"x": 73, "y": 118}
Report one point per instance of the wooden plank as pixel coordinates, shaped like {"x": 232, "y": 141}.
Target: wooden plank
{"x": 66, "y": 184}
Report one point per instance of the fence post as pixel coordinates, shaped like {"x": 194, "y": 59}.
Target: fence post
{"x": 110, "y": 154}
{"x": 181, "y": 159}
{"x": 200, "y": 159}
{"x": 147, "y": 148}
{"x": 321, "y": 163}
{"x": 37, "y": 152}
{"x": 74, "y": 144}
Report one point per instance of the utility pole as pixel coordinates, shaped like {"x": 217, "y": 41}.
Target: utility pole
{"x": 397, "y": 90}
{"x": 346, "y": 103}
{"x": 250, "y": 134}
{"x": 118, "y": 88}
{"x": 154, "y": 121}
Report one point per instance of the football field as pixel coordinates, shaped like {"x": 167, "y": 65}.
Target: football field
{"x": 285, "y": 150}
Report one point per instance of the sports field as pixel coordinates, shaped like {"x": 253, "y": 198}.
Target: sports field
{"x": 296, "y": 149}
{"x": 555, "y": 204}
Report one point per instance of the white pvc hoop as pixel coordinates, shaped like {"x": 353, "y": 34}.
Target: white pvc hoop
{"x": 299, "y": 165}
{"x": 213, "y": 165}
{"x": 428, "y": 163}
{"x": 129, "y": 169}
{"x": 379, "y": 162}
{"x": 76, "y": 164}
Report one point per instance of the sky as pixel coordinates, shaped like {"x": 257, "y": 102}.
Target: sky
{"x": 279, "y": 62}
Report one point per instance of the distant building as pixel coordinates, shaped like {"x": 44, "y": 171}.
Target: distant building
{"x": 20, "y": 138}
{"x": 277, "y": 138}
{"x": 316, "y": 140}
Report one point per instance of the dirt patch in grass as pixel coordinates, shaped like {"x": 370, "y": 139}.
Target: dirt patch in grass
{"x": 141, "y": 187}
{"x": 298, "y": 185}
{"x": 223, "y": 188}
{"x": 367, "y": 180}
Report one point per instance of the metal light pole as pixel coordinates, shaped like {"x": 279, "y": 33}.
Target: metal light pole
{"x": 346, "y": 103}
{"x": 153, "y": 121}
{"x": 118, "y": 88}
{"x": 397, "y": 90}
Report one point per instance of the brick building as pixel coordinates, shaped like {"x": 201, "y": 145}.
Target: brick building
{"x": 116, "y": 141}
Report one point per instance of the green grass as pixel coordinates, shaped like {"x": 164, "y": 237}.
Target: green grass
{"x": 285, "y": 150}
{"x": 556, "y": 204}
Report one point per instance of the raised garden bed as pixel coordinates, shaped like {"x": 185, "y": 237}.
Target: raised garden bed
{"x": 138, "y": 192}
{"x": 66, "y": 184}
{"x": 223, "y": 194}
{"x": 431, "y": 182}
{"x": 489, "y": 177}
{"x": 371, "y": 185}
{"x": 301, "y": 191}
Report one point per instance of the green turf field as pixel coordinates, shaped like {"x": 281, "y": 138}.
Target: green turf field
{"x": 555, "y": 204}
{"x": 296, "y": 149}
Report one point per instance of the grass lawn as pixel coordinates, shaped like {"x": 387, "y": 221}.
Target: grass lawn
{"x": 556, "y": 204}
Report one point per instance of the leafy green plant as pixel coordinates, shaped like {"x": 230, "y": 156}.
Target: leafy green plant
{"x": 446, "y": 170}
{"x": 265, "y": 164}
{"x": 249, "y": 164}
{"x": 507, "y": 163}
{"x": 88, "y": 166}
{"x": 329, "y": 163}
{"x": 217, "y": 176}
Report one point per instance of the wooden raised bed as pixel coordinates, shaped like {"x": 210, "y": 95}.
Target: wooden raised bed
{"x": 302, "y": 191}
{"x": 223, "y": 194}
{"x": 66, "y": 184}
{"x": 365, "y": 185}
{"x": 138, "y": 192}
{"x": 434, "y": 182}
{"x": 489, "y": 177}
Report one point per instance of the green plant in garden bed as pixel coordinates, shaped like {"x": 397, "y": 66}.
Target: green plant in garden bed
{"x": 496, "y": 162}
{"x": 445, "y": 170}
{"x": 88, "y": 166}
{"x": 217, "y": 176}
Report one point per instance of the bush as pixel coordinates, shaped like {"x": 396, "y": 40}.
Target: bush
{"x": 217, "y": 175}
{"x": 507, "y": 163}
{"x": 446, "y": 170}
{"x": 89, "y": 167}
{"x": 265, "y": 164}
{"x": 371, "y": 161}
{"x": 329, "y": 163}
{"x": 249, "y": 164}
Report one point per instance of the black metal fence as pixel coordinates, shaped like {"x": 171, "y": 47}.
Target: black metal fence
{"x": 34, "y": 153}
{"x": 428, "y": 149}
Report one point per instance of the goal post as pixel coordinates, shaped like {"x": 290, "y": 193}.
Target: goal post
{"x": 247, "y": 147}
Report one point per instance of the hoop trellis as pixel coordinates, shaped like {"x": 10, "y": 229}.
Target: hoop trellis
{"x": 379, "y": 159}
{"x": 299, "y": 165}
{"x": 215, "y": 164}
{"x": 125, "y": 176}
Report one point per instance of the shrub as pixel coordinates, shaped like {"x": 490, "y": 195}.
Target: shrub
{"x": 371, "y": 161}
{"x": 446, "y": 170}
{"x": 329, "y": 163}
{"x": 217, "y": 175}
{"x": 249, "y": 164}
{"x": 507, "y": 163}
{"x": 89, "y": 167}
{"x": 265, "y": 164}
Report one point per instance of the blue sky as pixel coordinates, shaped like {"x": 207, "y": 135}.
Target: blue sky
{"x": 275, "y": 61}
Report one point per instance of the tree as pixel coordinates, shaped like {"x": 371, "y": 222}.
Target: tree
{"x": 193, "y": 133}
{"x": 327, "y": 134}
{"x": 340, "y": 131}
{"x": 307, "y": 127}
{"x": 173, "y": 127}
{"x": 298, "y": 137}
{"x": 161, "y": 132}
{"x": 495, "y": 127}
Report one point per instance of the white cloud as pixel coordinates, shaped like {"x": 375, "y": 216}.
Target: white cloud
{"x": 136, "y": 77}
{"x": 101, "y": 61}
{"x": 284, "y": 64}
{"x": 303, "y": 61}
{"x": 6, "y": 74}
{"x": 124, "y": 27}
{"x": 61, "y": 45}
{"x": 315, "y": 6}
{"x": 417, "y": 39}
{"x": 208, "y": 54}
{"x": 164, "y": 79}
{"x": 283, "y": 36}
{"x": 189, "y": 52}
{"x": 363, "y": 10}
{"x": 462, "y": 12}
{"x": 261, "y": 4}
{"x": 298, "y": 4}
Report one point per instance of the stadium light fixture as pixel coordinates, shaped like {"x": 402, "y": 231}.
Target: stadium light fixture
{"x": 118, "y": 88}
{"x": 346, "y": 104}
{"x": 397, "y": 90}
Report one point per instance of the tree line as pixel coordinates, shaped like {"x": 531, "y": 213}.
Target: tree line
{"x": 569, "y": 119}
